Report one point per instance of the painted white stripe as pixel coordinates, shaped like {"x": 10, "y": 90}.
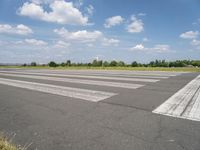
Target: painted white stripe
{"x": 183, "y": 104}
{"x": 93, "y": 72}
{"x": 130, "y": 74}
{"x": 88, "y": 76}
{"x": 89, "y": 82}
{"x": 89, "y": 95}
{"x": 101, "y": 74}
{"x": 117, "y": 76}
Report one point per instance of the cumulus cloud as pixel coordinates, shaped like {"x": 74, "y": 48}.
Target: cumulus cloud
{"x": 136, "y": 25}
{"x": 90, "y": 45}
{"x": 137, "y": 47}
{"x": 78, "y": 3}
{"x": 42, "y": 1}
{"x": 80, "y": 36}
{"x": 195, "y": 42}
{"x": 109, "y": 42}
{"x": 61, "y": 12}
{"x": 90, "y": 10}
{"x": 159, "y": 48}
{"x": 35, "y": 42}
{"x": 189, "y": 35}
{"x": 19, "y": 29}
{"x": 32, "y": 42}
{"x": 61, "y": 44}
{"x": 145, "y": 39}
{"x": 141, "y": 14}
{"x": 113, "y": 21}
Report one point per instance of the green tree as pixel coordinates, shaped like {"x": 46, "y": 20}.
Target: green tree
{"x": 33, "y": 64}
{"x": 113, "y": 63}
{"x": 120, "y": 64}
{"x": 25, "y": 65}
{"x": 52, "y": 64}
{"x": 134, "y": 64}
{"x": 63, "y": 64}
{"x": 106, "y": 64}
{"x": 97, "y": 63}
{"x": 68, "y": 63}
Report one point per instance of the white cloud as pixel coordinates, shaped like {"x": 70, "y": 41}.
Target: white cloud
{"x": 19, "y": 29}
{"x": 90, "y": 45}
{"x": 35, "y": 42}
{"x": 189, "y": 35}
{"x": 61, "y": 44}
{"x": 113, "y": 21}
{"x": 136, "y": 25}
{"x": 195, "y": 42}
{"x": 110, "y": 42}
{"x": 145, "y": 39}
{"x": 141, "y": 14}
{"x": 137, "y": 47}
{"x": 159, "y": 48}
{"x": 197, "y": 22}
{"x": 42, "y": 1}
{"x": 78, "y": 3}
{"x": 80, "y": 36}
{"x": 90, "y": 10}
{"x": 62, "y": 12}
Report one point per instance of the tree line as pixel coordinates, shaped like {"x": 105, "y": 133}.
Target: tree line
{"x": 114, "y": 63}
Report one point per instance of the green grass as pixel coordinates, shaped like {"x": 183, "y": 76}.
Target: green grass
{"x": 184, "y": 69}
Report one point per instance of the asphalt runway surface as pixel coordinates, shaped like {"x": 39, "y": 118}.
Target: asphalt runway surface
{"x": 100, "y": 110}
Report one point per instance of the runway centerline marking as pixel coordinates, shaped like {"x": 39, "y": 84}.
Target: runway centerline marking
{"x": 89, "y": 95}
{"x": 183, "y": 104}
{"x": 89, "y": 82}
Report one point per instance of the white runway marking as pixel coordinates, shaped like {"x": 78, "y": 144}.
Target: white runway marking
{"x": 93, "y": 72}
{"x": 90, "y": 77}
{"x": 130, "y": 75}
{"x": 183, "y": 104}
{"x": 89, "y": 95}
{"x": 90, "y": 82}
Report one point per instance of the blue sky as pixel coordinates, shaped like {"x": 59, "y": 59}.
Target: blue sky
{"x": 83, "y": 30}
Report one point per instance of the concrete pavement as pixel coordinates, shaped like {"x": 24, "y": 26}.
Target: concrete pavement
{"x": 47, "y": 120}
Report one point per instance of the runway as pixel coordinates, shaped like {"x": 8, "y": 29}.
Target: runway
{"x": 93, "y": 109}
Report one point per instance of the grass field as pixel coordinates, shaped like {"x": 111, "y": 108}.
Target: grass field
{"x": 184, "y": 69}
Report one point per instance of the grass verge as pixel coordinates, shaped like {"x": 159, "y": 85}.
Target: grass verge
{"x": 176, "y": 69}
{"x": 6, "y": 145}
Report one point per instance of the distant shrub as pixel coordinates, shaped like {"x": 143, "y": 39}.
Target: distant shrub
{"x": 33, "y": 64}
{"x": 52, "y": 64}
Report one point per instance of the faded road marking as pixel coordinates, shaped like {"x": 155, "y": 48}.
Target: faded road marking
{"x": 90, "y": 82}
{"x": 183, "y": 104}
{"x": 96, "y": 76}
{"x": 89, "y": 95}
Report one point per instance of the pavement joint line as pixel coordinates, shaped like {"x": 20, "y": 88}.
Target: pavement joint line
{"x": 123, "y": 105}
{"x": 89, "y": 82}
{"x": 143, "y": 79}
{"x": 183, "y": 104}
{"x": 84, "y": 94}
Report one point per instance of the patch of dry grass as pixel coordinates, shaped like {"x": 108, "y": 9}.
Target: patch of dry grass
{"x": 5, "y": 144}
